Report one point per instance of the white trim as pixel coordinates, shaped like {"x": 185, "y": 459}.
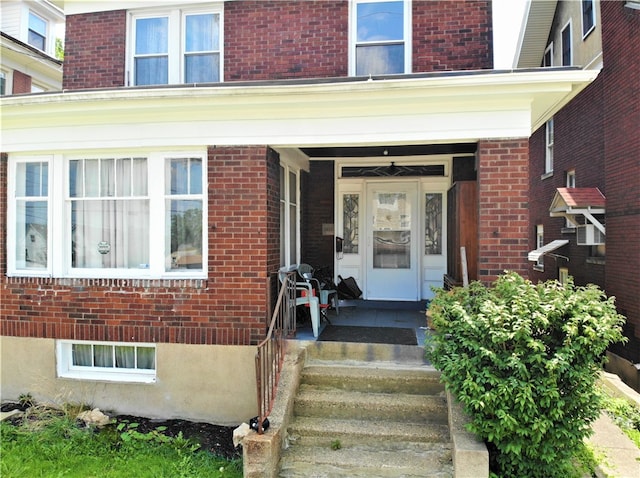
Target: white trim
{"x": 549, "y": 50}
{"x": 66, "y": 369}
{"x": 407, "y": 40}
{"x": 593, "y": 18}
{"x": 59, "y": 214}
{"x": 570, "y": 27}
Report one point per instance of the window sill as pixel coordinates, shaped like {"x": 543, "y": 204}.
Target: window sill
{"x": 546, "y": 175}
{"x": 538, "y": 268}
{"x": 600, "y": 261}
{"x": 109, "y": 377}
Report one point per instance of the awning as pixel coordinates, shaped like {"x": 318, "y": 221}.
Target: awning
{"x": 572, "y": 202}
{"x": 552, "y": 246}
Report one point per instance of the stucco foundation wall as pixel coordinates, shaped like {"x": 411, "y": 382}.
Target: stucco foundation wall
{"x": 210, "y": 383}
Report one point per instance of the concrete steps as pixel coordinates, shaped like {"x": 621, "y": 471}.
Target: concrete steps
{"x": 359, "y": 414}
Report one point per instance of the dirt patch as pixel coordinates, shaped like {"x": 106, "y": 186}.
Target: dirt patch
{"x": 216, "y": 439}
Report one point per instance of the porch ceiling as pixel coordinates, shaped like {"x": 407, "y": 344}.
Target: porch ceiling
{"x": 452, "y": 107}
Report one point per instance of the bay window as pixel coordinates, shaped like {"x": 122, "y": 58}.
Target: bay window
{"x": 100, "y": 216}
{"x": 175, "y": 46}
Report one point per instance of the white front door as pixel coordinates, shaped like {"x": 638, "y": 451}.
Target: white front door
{"x": 392, "y": 265}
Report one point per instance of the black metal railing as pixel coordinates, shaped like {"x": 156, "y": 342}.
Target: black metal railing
{"x": 271, "y": 351}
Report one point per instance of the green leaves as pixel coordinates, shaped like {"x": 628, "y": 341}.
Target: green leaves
{"x": 523, "y": 359}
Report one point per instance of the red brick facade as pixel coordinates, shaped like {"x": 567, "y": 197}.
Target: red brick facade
{"x": 287, "y": 39}
{"x": 227, "y": 309}
{"x": 503, "y": 207}
{"x": 597, "y": 136}
{"x": 21, "y": 83}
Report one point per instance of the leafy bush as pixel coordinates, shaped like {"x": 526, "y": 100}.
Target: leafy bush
{"x": 523, "y": 360}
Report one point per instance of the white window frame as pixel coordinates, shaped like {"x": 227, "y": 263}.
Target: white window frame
{"x": 570, "y": 182}
{"x": 549, "y": 143}
{"x": 563, "y": 275}
{"x": 176, "y": 47}
{"x": 585, "y": 33}
{"x": 289, "y": 249}
{"x": 353, "y": 28}
{"x": 562, "y": 44}
{"x": 47, "y": 33}
{"x": 59, "y": 217}
{"x": 539, "y": 265}
{"x": 66, "y": 369}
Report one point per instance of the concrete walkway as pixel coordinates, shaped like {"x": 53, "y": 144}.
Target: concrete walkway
{"x": 621, "y": 457}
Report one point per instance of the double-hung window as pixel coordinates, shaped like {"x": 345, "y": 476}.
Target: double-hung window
{"x": 380, "y": 32}
{"x": 289, "y": 214}
{"x": 567, "y": 55}
{"x": 176, "y": 46}
{"x": 549, "y": 140}
{"x": 124, "y": 216}
{"x": 588, "y": 16}
{"x": 37, "y": 33}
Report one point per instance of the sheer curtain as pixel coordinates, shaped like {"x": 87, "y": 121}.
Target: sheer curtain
{"x": 109, "y": 223}
{"x": 151, "y": 52}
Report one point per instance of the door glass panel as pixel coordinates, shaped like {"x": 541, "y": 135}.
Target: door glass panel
{"x": 391, "y": 231}
{"x": 433, "y": 223}
{"x": 350, "y": 210}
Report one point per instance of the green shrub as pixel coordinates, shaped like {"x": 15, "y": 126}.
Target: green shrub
{"x": 523, "y": 360}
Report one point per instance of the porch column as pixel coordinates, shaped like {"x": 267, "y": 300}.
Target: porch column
{"x": 503, "y": 202}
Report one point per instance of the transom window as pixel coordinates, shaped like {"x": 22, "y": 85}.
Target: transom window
{"x": 103, "y": 216}
{"x": 380, "y": 32}
{"x": 121, "y": 362}
{"x": 37, "y": 36}
{"x": 176, "y": 46}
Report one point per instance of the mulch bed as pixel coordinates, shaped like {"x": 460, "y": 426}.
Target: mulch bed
{"x": 216, "y": 439}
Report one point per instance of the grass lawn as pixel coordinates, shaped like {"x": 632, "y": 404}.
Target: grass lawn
{"x": 53, "y": 445}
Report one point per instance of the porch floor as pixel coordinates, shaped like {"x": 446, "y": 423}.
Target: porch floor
{"x": 373, "y": 313}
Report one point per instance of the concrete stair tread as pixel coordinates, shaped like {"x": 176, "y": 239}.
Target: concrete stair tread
{"x": 391, "y": 459}
{"x": 348, "y": 431}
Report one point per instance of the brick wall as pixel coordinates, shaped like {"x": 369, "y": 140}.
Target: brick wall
{"x": 228, "y": 308}
{"x": 503, "y": 209}
{"x": 95, "y": 46}
{"x": 622, "y": 164}
{"x": 452, "y": 35}
{"x": 578, "y": 146}
{"x": 21, "y": 83}
{"x": 285, "y": 39}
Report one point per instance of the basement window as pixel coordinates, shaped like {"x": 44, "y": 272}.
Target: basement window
{"x": 107, "y": 361}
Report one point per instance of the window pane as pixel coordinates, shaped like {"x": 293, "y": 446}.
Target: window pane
{"x": 202, "y": 33}
{"x": 184, "y": 234}
{"x": 177, "y": 181}
{"x": 31, "y": 234}
{"x": 37, "y": 32}
{"x": 123, "y": 173}
{"x": 32, "y": 179}
{"x": 350, "y": 211}
{"x": 139, "y": 177}
{"x": 146, "y": 358}
{"x": 293, "y": 188}
{"x": 81, "y": 354}
{"x": 392, "y": 249}
{"x": 152, "y": 35}
{"x": 433, "y": 224}
{"x": 293, "y": 235}
{"x": 103, "y": 356}
{"x": 107, "y": 177}
{"x": 91, "y": 178}
{"x": 195, "y": 173}
{"x": 202, "y": 68}
{"x": 380, "y": 59}
{"x": 76, "y": 178}
{"x": 125, "y": 357}
{"x": 380, "y": 21}
{"x": 110, "y": 234}
{"x": 152, "y": 71}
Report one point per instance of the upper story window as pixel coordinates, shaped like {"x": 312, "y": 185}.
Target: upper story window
{"x": 37, "y": 32}
{"x": 176, "y": 46}
{"x": 549, "y": 140}
{"x": 130, "y": 216}
{"x": 567, "y": 54}
{"x": 380, "y": 34}
{"x": 548, "y": 56}
{"x": 588, "y": 16}
{"x": 570, "y": 182}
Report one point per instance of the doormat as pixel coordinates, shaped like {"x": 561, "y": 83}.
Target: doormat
{"x": 371, "y": 335}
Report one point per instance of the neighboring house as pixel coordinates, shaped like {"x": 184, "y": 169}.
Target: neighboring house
{"x": 28, "y": 62}
{"x": 199, "y": 146}
{"x": 585, "y": 161}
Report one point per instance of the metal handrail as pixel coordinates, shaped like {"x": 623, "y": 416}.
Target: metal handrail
{"x": 271, "y": 351}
